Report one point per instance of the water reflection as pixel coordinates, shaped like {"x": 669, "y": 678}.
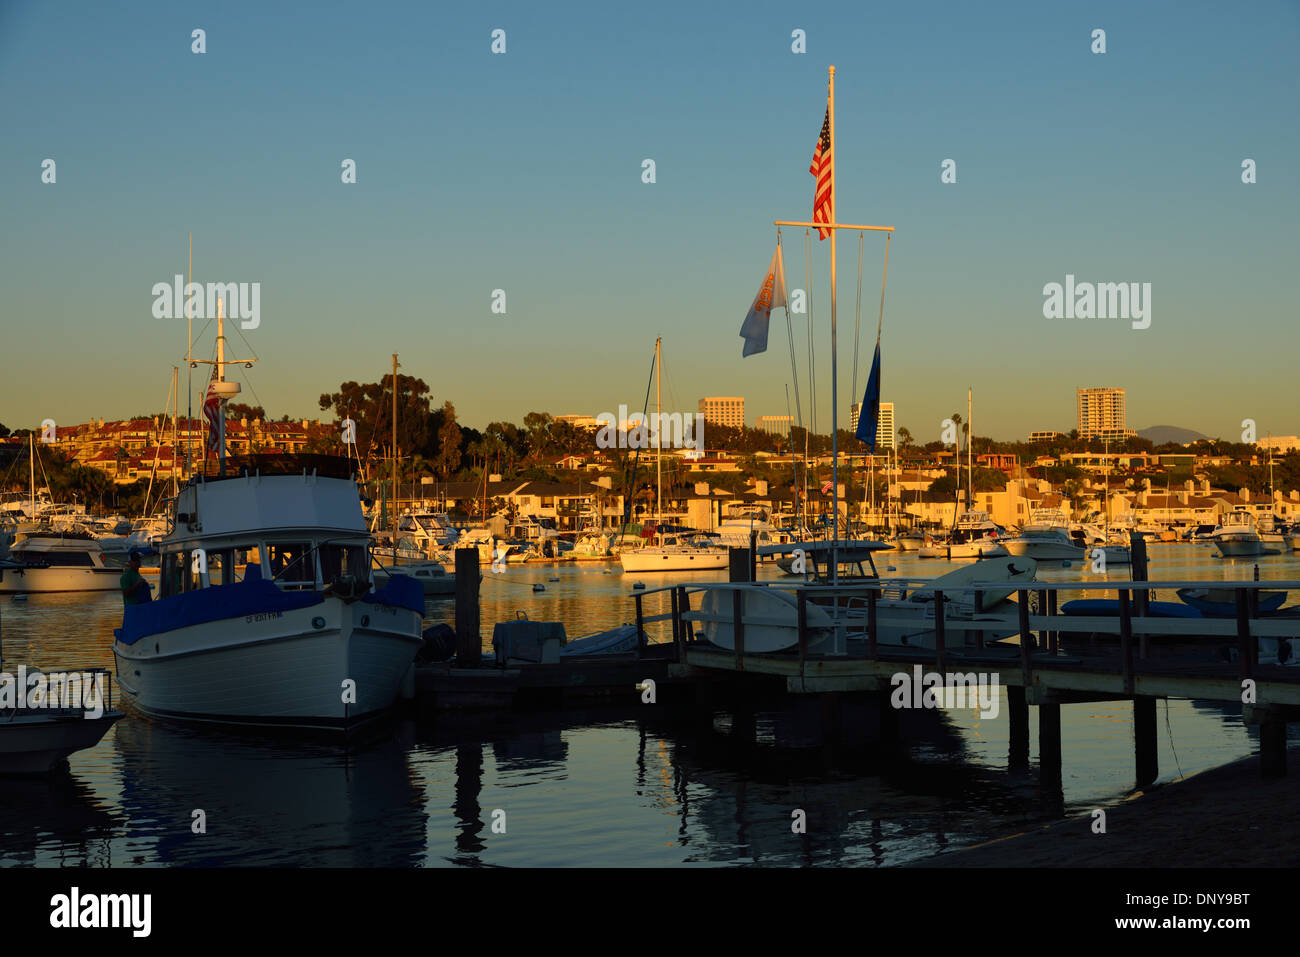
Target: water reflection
{"x": 630, "y": 788}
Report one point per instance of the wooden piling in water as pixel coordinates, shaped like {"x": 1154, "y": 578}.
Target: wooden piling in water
{"x": 469, "y": 635}
{"x": 1272, "y": 746}
{"x": 1144, "y": 739}
{"x": 1049, "y": 740}
{"x": 738, "y": 565}
{"x": 940, "y": 642}
{"x": 1018, "y": 715}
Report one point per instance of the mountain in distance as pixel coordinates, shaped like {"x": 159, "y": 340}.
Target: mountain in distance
{"x": 1160, "y": 434}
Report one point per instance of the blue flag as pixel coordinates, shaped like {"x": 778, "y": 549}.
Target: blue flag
{"x": 869, "y": 414}
{"x": 770, "y": 295}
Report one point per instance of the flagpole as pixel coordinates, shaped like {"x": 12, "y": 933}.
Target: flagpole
{"x": 835, "y": 419}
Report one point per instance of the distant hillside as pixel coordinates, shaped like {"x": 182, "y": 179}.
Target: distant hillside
{"x": 1160, "y": 434}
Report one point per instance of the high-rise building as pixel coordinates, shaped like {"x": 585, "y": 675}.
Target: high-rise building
{"x": 1102, "y": 414}
{"x": 775, "y": 424}
{"x": 884, "y": 429}
{"x": 723, "y": 410}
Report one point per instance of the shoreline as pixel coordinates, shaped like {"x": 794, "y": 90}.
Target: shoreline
{"x": 1227, "y": 816}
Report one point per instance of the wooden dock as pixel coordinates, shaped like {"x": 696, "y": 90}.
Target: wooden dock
{"x": 1041, "y": 667}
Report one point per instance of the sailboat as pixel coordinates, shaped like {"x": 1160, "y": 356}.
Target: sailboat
{"x": 266, "y": 615}
{"x": 675, "y": 551}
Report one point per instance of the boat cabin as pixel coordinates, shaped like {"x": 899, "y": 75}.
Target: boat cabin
{"x": 302, "y": 532}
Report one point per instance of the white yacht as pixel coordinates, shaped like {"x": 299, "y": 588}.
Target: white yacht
{"x": 1237, "y": 536}
{"x": 49, "y": 562}
{"x": 974, "y": 536}
{"x": 679, "y": 552}
{"x": 1046, "y": 538}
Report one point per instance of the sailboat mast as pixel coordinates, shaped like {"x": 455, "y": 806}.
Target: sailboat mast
{"x": 659, "y": 490}
{"x": 176, "y": 407}
{"x": 31, "y": 468}
{"x": 835, "y": 419}
{"x": 970, "y": 472}
{"x": 394, "y": 464}
{"x": 189, "y": 360}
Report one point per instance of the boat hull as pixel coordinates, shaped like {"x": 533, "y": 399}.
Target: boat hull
{"x": 34, "y": 743}
{"x": 58, "y": 579}
{"x": 652, "y": 560}
{"x": 286, "y": 668}
{"x": 1239, "y": 546}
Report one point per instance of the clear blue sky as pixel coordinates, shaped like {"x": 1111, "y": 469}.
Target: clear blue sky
{"x": 522, "y": 171}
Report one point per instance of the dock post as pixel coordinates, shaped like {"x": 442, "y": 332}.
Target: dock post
{"x": 1053, "y": 636}
{"x": 1144, "y": 739}
{"x": 802, "y": 597}
{"x": 1049, "y": 742}
{"x": 1245, "y": 649}
{"x": 738, "y": 565}
{"x": 939, "y": 636}
{"x": 1026, "y": 669}
{"x": 1126, "y": 640}
{"x": 640, "y": 624}
{"x": 738, "y": 623}
{"x": 753, "y": 554}
{"x": 872, "y": 598}
{"x": 469, "y": 637}
{"x": 1272, "y": 746}
{"x": 683, "y": 633}
{"x": 1018, "y": 756}
{"x": 1138, "y": 566}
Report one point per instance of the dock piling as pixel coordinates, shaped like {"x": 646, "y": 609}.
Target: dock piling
{"x": 469, "y": 637}
{"x": 1144, "y": 739}
{"x": 1018, "y": 715}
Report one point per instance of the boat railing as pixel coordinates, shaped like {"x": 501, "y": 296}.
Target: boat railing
{"x": 90, "y": 676}
{"x": 1039, "y": 625}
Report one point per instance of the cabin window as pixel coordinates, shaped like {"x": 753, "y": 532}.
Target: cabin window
{"x": 221, "y": 570}
{"x": 292, "y": 563}
{"x": 339, "y": 560}
{"x": 169, "y": 579}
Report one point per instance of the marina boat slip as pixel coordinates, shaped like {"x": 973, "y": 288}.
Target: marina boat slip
{"x": 52, "y": 562}
{"x": 1237, "y": 536}
{"x": 280, "y": 645}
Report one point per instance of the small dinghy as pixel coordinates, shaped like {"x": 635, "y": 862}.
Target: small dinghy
{"x": 616, "y": 641}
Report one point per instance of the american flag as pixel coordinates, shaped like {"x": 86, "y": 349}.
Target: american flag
{"x": 211, "y": 410}
{"x": 826, "y": 489}
{"x": 823, "y": 163}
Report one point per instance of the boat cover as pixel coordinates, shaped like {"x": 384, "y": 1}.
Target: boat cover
{"x": 252, "y": 596}
{"x": 1110, "y": 606}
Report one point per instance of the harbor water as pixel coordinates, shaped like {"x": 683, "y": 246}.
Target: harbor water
{"x": 623, "y": 787}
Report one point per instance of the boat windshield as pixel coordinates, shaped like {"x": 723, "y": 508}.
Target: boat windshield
{"x": 343, "y": 559}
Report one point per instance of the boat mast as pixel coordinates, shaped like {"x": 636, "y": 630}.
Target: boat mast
{"x": 189, "y": 361}
{"x": 393, "y": 469}
{"x": 659, "y": 491}
{"x": 970, "y": 470}
{"x": 31, "y": 468}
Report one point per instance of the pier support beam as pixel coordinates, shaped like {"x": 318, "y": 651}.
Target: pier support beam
{"x": 1049, "y": 742}
{"x": 1144, "y": 739}
{"x": 1018, "y": 714}
{"x": 1272, "y": 737}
